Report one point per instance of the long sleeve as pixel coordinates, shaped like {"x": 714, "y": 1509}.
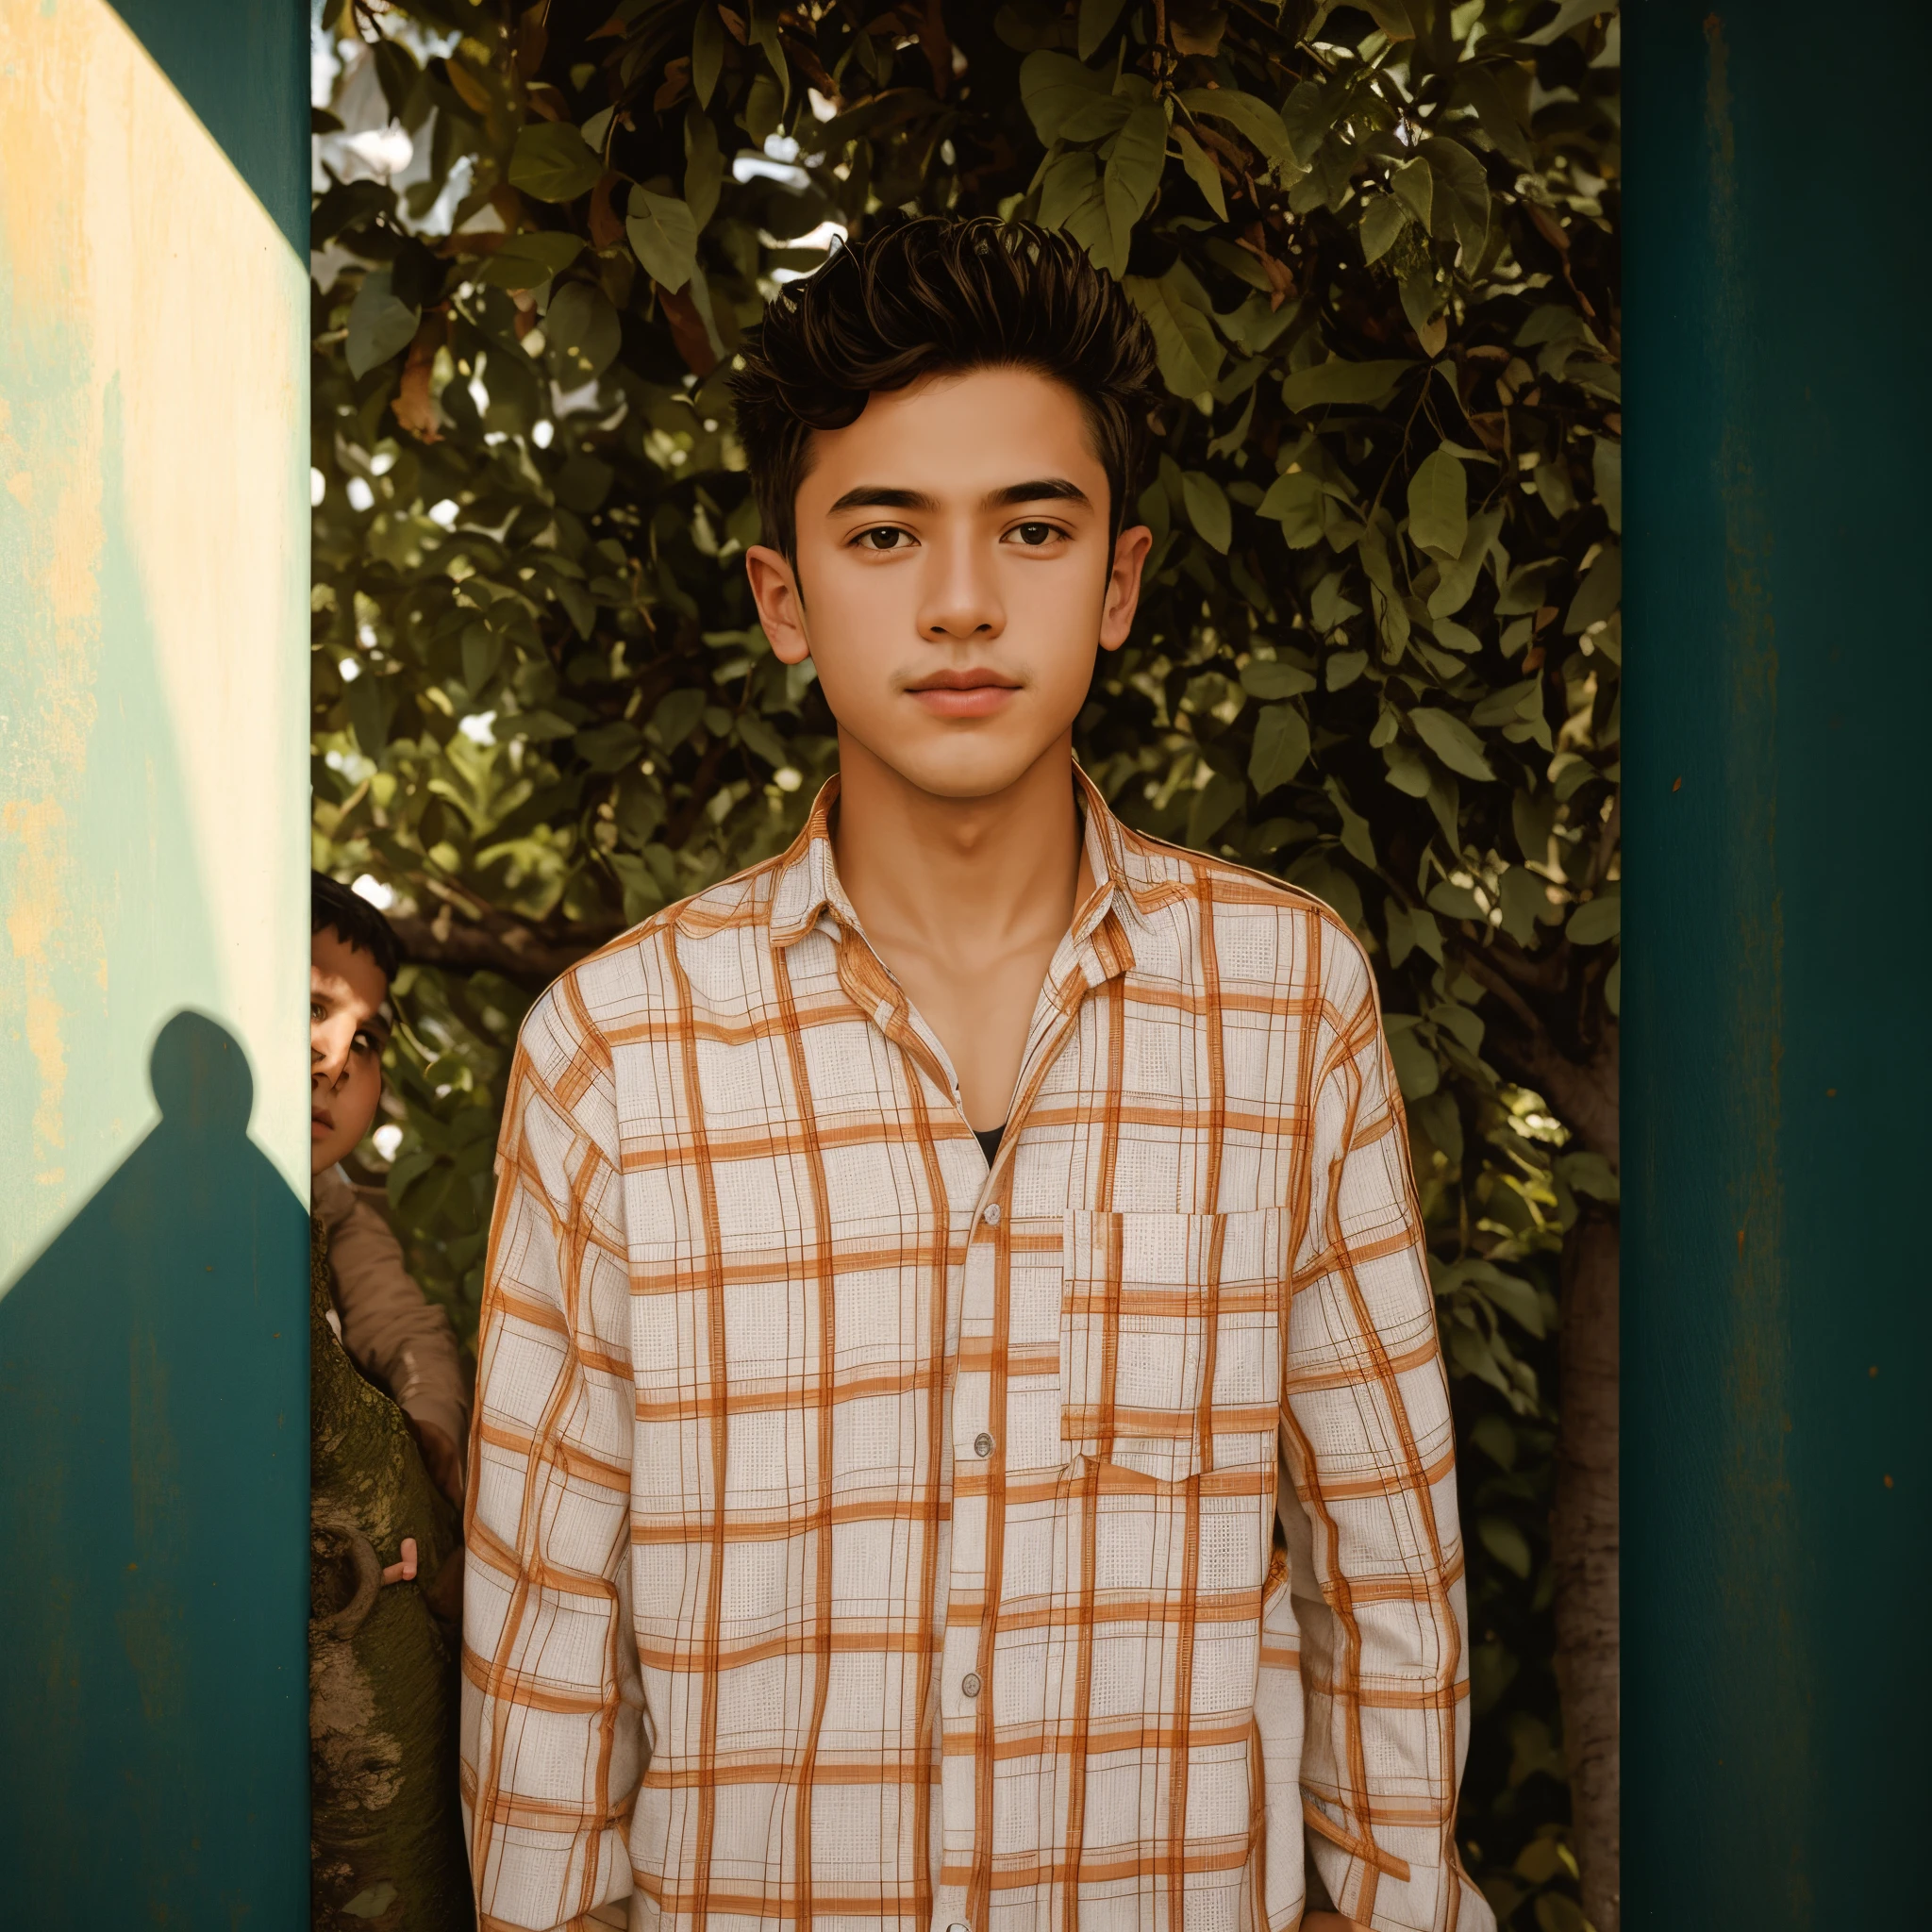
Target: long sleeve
{"x": 553, "y": 1734}
{"x": 392, "y": 1330}
{"x": 1369, "y": 1510}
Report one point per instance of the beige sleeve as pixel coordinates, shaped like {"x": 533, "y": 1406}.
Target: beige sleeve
{"x": 390, "y": 1328}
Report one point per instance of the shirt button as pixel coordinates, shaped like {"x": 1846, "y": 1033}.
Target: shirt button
{"x": 990, "y": 1214}
{"x": 969, "y": 1684}
{"x": 982, "y": 1444}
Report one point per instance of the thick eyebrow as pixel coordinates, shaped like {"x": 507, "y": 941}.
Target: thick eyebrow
{"x": 875, "y": 496}
{"x": 1043, "y": 490}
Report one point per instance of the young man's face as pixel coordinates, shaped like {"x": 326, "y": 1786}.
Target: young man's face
{"x": 346, "y": 1035}
{"x": 954, "y": 575}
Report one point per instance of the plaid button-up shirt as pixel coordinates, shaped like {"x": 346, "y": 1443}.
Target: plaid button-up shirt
{"x": 862, "y": 1535}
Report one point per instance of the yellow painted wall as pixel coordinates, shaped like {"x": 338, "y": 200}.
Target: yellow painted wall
{"x": 153, "y": 612}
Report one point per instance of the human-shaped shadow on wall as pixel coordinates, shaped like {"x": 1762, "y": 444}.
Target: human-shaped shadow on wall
{"x": 167, "y": 1639}
{"x": 154, "y": 1592}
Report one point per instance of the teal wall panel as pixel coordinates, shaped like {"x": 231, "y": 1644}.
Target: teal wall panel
{"x": 1778, "y": 1469}
{"x": 153, "y": 939}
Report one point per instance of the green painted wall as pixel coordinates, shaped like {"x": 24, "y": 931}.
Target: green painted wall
{"x": 1777, "y": 1467}
{"x": 153, "y": 935}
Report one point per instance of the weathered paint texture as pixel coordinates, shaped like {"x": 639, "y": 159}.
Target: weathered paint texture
{"x": 153, "y": 947}
{"x": 1777, "y": 1476}
{"x": 153, "y": 565}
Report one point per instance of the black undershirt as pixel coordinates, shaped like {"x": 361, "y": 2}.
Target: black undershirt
{"x": 989, "y": 1138}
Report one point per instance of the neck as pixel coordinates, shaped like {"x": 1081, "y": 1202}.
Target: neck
{"x": 958, "y": 876}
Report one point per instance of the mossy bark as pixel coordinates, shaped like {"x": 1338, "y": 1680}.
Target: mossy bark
{"x": 385, "y": 1830}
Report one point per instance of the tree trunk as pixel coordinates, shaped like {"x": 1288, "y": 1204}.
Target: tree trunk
{"x": 1584, "y": 1542}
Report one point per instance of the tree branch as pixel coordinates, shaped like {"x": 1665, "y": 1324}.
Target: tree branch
{"x": 518, "y": 951}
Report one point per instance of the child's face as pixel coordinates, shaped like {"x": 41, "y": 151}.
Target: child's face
{"x": 953, "y": 576}
{"x": 346, "y": 1035}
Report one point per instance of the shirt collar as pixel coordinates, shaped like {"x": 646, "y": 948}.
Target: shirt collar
{"x": 807, "y": 882}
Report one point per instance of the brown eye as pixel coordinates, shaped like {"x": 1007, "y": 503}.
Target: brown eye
{"x": 884, "y": 538}
{"x": 1036, "y": 534}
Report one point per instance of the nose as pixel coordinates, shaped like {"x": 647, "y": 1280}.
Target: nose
{"x": 960, "y": 598}
{"x": 329, "y": 1054}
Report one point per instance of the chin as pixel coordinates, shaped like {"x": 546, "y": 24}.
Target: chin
{"x": 960, "y": 764}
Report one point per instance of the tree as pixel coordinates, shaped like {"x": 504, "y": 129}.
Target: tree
{"x": 1379, "y": 652}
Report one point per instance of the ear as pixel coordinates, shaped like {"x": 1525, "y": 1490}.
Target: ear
{"x": 781, "y": 604}
{"x": 1130, "y": 550}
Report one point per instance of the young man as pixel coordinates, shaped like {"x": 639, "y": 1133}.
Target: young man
{"x": 394, "y": 1335}
{"x": 963, "y": 1442}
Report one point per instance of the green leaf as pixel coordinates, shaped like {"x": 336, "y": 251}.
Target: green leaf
{"x": 610, "y": 747}
{"x": 1133, "y": 172}
{"x": 1382, "y": 221}
{"x": 1071, "y": 198}
{"x": 1505, "y": 1543}
{"x": 1281, "y": 748}
{"x": 526, "y": 261}
{"x": 676, "y": 717}
{"x": 1417, "y": 1072}
{"x": 1052, "y": 86}
{"x": 707, "y": 54}
{"x": 1454, "y": 902}
{"x": 703, "y": 167}
{"x": 1215, "y": 802}
{"x": 1358, "y": 841}
{"x": 1607, "y": 464}
{"x": 1596, "y": 920}
{"x": 583, "y": 333}
{"x": 1208, "y": 510}
{"x": 551, "y": 162}
{"x": 379, "y": 325}
{"x": 1268, "y": 677}
{"x": 1190, "y": 351}
{"x": 1391, "y": 16}
{"x": 764, "y": 30}
{"x": 1329, "y": 605}
{"x": 1556, "y": 1911}
{"x": 1476, "y": 84}
{"x": 1462, "y": 193}
{"x": 1452, "y": 740}
{"x": 1097, "y": 118}
{"x": 1438, "y": 504}
{"x": 1493, "y": 1436}
{"x": 1458, "y": 577}
{"x": 1517, "y": 1299}
{"x": 1584, "y": 1173}
{"x": 1336, "y": 381}
{"x": 664, "y": 237}
{"x": 1598, "y": 595}
{"x": 1346, "y": 667}
{"x": 1504, "y": 704}
{"x": 1525, "y": 901}
{"x": 1294, "y": 500}
{"x": 1254, "y": 120}
{"x": 1413, "y": 182}
{"x": 1207, "y": 177}
{"x": 1097, "y": 17}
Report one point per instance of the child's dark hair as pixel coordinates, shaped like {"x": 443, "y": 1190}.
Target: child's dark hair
{"x": 333, "y": 907}
{"x": 934, "y": 295}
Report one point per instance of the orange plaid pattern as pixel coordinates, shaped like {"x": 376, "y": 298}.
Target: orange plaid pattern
{"x": 859, "y": 1535}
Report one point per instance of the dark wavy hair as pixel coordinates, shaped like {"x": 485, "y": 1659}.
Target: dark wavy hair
{"x": 333, "y": 907}
{"x": 941, "y": 295}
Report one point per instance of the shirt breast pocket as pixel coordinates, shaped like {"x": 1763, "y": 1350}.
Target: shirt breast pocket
{"x": 1170, "y": 1359}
